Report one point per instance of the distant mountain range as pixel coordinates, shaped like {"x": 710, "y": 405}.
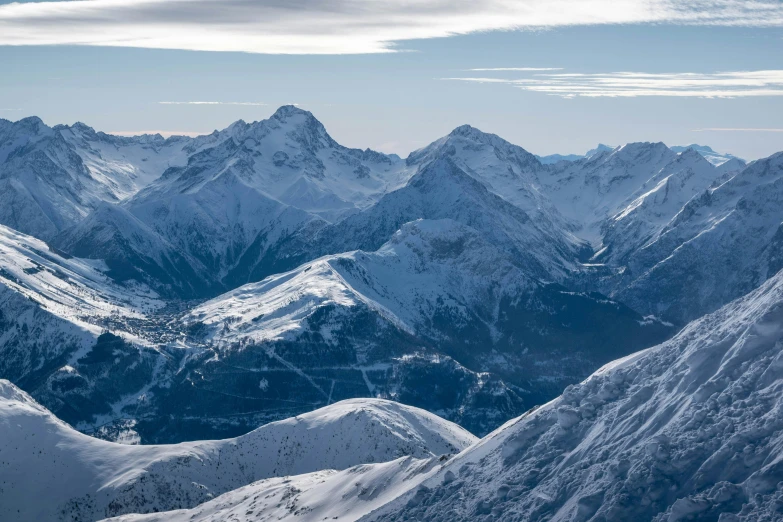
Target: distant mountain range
{"x": 716, "y": 158}
{"x": 264, "y": 270}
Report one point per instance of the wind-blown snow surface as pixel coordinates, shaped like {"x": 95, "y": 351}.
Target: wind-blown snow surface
{"x": 324, "y": 495}
{"x": 82, "y": 478}
{"x": 689, "y": 430}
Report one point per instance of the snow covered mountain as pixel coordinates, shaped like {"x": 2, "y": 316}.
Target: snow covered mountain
{"x": 228, "y": 209}
{"x": 51, "y": 305}
{"x": 83, "y": 478}
{"x": 555, "y": 158}
{"x": 133, "y": 252}
{"x": 323, "y": 495}
{"x": 723, "y": 243}
{"x": 590, "y": 190}
{"x": 56, "y": 315}
{"x": 243, "y": 191}
{"x": 687, "y": 430}
{"x": 716, "y": 158}
{"x": 291, "y": 158}
{"x": 660, "y": 199}
{"x": 437, "y": 300}
{"x": 451, "y": 183}
{"x": 440, "y": 288}
{"x": 446, "y": 280}
{"x": 51, "y": 178}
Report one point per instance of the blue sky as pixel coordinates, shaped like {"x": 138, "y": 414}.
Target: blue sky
{"x": 690, "y": 79}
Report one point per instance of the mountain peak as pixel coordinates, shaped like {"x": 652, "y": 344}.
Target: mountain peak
{"x": 691, "y": 154}
{"x": 600, "y": 148}
{"x": 468, "y": 131}
{"x": 486, "y": 138}
{"x": 31, "y": 124}
{"x": 695, "y": 146}
{"x": 287, "y": 111}
{"x": 643, "y": 145}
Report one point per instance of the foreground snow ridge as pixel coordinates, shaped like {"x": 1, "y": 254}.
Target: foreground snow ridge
{"x": 83, "y": 478}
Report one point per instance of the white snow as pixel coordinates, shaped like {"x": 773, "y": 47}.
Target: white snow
{"x": 691, "y": 427}
{"x": 89, "y": 479}
{"x": 325, "y": 495}
{"x": 426, "y": 263}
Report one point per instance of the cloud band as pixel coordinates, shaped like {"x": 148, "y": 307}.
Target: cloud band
{"x": 339, "y": 26}
{"x": 734, "y": 84}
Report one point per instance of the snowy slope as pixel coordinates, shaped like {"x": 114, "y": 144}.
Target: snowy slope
{"x": 55, "y": 317}
{"x": 441, "y": 189}
{"x": 505, "y": 169}
{"x": 127, "y": 164}
{"x": 662, "y": 197}
{"x": 71, "y": 288}
{"x": 221, "y": 223}
{"x": 291, "y": 158}
{"x": 436, "y": 286}
{"x": 424, "y": 263}
{"x": 688, "y": 430}
{"x": 324, "y": 495}
{"x": 723, "y": 243}
{"x": 592, "y": 189}
{"x": 50, "y": 178}
{"x": 50, "y": 306}
{"x": 87, "y": 479}
{"x": 44, "y": 185}
{"x": 133, "y": 252}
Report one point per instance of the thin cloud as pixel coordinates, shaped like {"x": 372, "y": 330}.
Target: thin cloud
{"x": 737, "y": 129}
{"x": 339, "y": 26}
{"x": 737, "y": 84}
{"x": 253, "y": 104}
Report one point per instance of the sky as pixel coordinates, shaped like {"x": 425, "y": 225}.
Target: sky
{"x": 554, "y": 76}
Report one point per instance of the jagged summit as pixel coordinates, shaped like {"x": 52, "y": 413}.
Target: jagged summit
{"x": 286, "y": 111}
{"x": 639, "y": 148}
{"x": 31, "y": 122}
{"x": 693, "y": 157}
{"x": 600, "y": 148}
{"x": 465, "y": 134}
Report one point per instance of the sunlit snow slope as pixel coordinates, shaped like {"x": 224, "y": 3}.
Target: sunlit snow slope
{"x": 83, "y": 478}
{"x": 689, "y": 430}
